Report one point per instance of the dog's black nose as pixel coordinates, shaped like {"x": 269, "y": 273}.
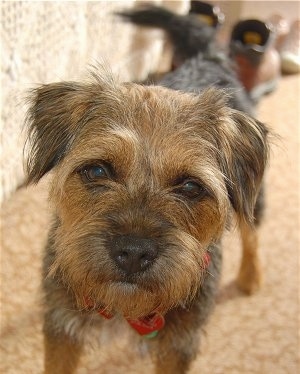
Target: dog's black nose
{"x": 133, "y": 254}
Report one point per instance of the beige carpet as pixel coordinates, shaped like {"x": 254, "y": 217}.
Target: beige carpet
{"x": 258, "y": 334}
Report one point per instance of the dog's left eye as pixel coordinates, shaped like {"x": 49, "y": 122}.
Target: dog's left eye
{"x": 191, "y": 189}
{"x": 94, "y": 172}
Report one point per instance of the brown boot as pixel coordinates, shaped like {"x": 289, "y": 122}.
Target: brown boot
{"x": 208, "y": 13}
{"x": 257, "y": 61}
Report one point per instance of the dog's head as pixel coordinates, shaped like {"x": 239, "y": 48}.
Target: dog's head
{"x": 144, "y": 178}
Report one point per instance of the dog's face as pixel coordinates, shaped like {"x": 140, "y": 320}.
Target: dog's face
{"x": 144, "y": 178}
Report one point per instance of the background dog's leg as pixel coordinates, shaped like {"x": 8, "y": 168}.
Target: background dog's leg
{"x": 250, "y": 274}
{"x": 61, "y": 354}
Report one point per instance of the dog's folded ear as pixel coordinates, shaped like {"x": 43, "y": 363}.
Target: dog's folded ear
{"x": 52, "y": 121}
{"x": 244, "y": 154}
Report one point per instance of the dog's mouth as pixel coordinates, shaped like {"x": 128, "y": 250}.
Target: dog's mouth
{"x": 127, "y": 299}
{"x": 130, "y": 283}
{"x": 127, "y": 287}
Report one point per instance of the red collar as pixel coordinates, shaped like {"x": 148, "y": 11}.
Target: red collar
{"x": 148, "y": 326}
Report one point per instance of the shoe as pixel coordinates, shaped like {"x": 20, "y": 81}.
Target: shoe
{"x": 207, "y": 13}
{"x": 290, "y": 50}
{"x": 257, "y": 61}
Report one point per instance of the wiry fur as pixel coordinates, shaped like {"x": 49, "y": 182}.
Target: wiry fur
{"x": 151, "y": 140}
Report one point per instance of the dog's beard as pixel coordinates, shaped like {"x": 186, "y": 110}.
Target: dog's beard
{"x": 172, "y": 280}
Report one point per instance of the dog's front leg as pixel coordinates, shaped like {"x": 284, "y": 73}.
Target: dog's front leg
{"x": 177, "y": 344}
{"x": 175, "y": 354}
{"x": 62, "y": 354}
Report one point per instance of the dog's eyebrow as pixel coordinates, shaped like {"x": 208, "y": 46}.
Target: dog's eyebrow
{"x": 124, "y": 133}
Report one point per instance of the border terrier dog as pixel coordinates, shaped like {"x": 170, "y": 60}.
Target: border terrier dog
{"x": 144, "y": 182}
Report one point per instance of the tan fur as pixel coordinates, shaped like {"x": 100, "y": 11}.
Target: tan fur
{"x": 61, "y": 356}
{"x": 153, "y": 141}
{"x": 250, "y": 273}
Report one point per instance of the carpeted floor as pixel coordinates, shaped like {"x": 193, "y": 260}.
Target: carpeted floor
{"x": 257, "y": 334}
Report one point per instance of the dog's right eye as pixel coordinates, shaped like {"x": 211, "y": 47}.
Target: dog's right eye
{"x": 93, "y": 173}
